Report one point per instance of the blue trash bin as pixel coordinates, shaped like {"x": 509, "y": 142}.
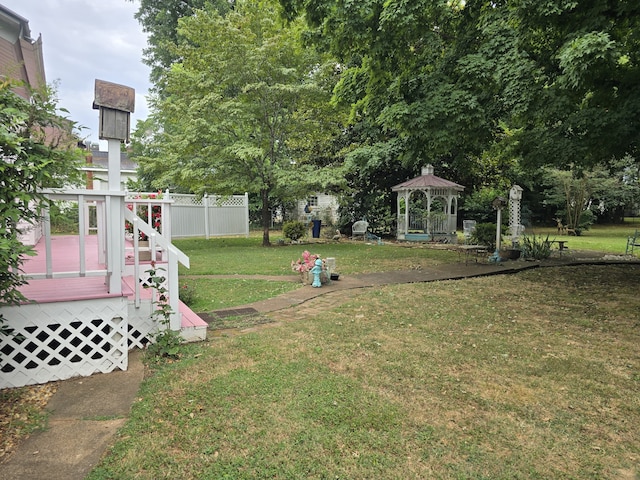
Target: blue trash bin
{"x": 316, "y": 228}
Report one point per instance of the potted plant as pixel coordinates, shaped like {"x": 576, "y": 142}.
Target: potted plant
{"x": 510, "y": 253}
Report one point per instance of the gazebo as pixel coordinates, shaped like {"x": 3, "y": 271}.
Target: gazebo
{"x": 427, "y": 208}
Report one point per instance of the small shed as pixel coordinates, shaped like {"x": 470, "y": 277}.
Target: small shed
{"x": 427, "y": 208}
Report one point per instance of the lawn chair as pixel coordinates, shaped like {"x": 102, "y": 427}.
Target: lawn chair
{"x": 632, "y": 242}
{"x": 360, "y": 228}
{"x": 468, "y": 227}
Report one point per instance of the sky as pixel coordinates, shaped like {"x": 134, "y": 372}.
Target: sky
{"x": 85, "y": 40}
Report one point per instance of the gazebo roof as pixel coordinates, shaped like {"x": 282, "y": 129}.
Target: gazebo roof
{"x": 427, "y": 180}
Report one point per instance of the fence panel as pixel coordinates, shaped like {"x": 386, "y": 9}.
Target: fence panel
{"x": 209, "y": 216}
{"x": 188, "y": 221}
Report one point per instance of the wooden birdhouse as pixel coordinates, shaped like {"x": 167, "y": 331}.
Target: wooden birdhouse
{"x": 116, "y": 103}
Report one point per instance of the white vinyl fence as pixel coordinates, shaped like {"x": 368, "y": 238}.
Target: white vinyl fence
{"x": 209, "y": 216}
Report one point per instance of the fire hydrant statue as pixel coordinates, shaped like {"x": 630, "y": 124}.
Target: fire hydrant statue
{"x": 316, "y": 271}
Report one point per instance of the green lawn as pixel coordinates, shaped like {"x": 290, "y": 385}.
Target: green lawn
{"x": 245, "y": 256}
{"x": 533, "y": 375}
{"x": 526, "y": 376}
{"x": 601, "y": 238}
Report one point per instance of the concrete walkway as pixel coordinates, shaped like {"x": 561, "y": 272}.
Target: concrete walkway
{"x": 87, "y": 412}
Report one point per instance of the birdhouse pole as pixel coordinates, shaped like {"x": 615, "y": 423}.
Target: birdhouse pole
{"x": 115, "y": 103}
{"x": 498, "y": 204}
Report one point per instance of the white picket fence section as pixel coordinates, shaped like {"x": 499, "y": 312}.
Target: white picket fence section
{"x": 209, "y": 216}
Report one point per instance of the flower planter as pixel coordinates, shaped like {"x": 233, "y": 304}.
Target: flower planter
{"x": 510, "y": 254}
{"x": 307, "y": 278}
{"x": 307, "y": 262}
{"x": 144, "y": 253}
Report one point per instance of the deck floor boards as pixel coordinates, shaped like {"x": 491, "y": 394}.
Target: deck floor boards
{"x": 65, "y": 255}
{"x": 66, "y": 258}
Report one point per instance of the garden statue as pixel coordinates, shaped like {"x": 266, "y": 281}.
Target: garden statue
{"x": 316, "y": 271}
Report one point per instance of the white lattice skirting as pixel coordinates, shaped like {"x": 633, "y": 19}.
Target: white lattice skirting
{"x": 57, "y": 341}
{"x": 141, "y": 325}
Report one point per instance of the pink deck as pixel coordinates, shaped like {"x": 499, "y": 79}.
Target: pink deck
{"x": 65, "y": 255}
{"x": 66, "y": 258}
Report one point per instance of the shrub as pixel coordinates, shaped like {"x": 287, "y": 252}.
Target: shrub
{"x": 294, "y": 230}
{"x": 485, "y": 234}
{"x": 587, "y": 218}
{"x": 187, "y": 294}
{"x": 64, "y": 217}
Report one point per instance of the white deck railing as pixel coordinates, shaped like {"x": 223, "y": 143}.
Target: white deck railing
{"x": 145, "y": 205}
{"x": 84, "y": 198}
{"x": 111, "y": 213}
{"x": 174, "y": 255}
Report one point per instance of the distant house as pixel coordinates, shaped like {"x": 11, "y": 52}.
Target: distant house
{"x": 97, "y": 168}
{"x": 318, "y": 205}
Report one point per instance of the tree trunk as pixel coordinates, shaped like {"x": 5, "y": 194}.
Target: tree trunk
{"x": 266, "y": 218}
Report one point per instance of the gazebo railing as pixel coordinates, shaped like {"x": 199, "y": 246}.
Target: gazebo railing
{"x": 432, "y": 224}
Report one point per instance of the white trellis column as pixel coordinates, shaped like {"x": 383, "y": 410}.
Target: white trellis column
{"x": 515, "y": 218}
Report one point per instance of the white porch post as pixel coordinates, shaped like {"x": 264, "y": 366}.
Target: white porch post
{"x": 115, "y": 103}
{"x": 166, "y": 215}
{"x": 101, "y": 224}
{"x": 175, "y": 320}
{"x": 205, "y": 204}
{"x": 115, "y": 220}
{"x": 246, "y": 213}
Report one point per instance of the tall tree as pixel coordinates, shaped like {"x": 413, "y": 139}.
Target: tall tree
{"x": 419, "y": 89}
{"x": 553, "y": 82}
{"x": 583, "y": 107}
{"x": 413, "y": 77}
{"x": 245, "y": 108}
{"x": 159, "y": 19}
